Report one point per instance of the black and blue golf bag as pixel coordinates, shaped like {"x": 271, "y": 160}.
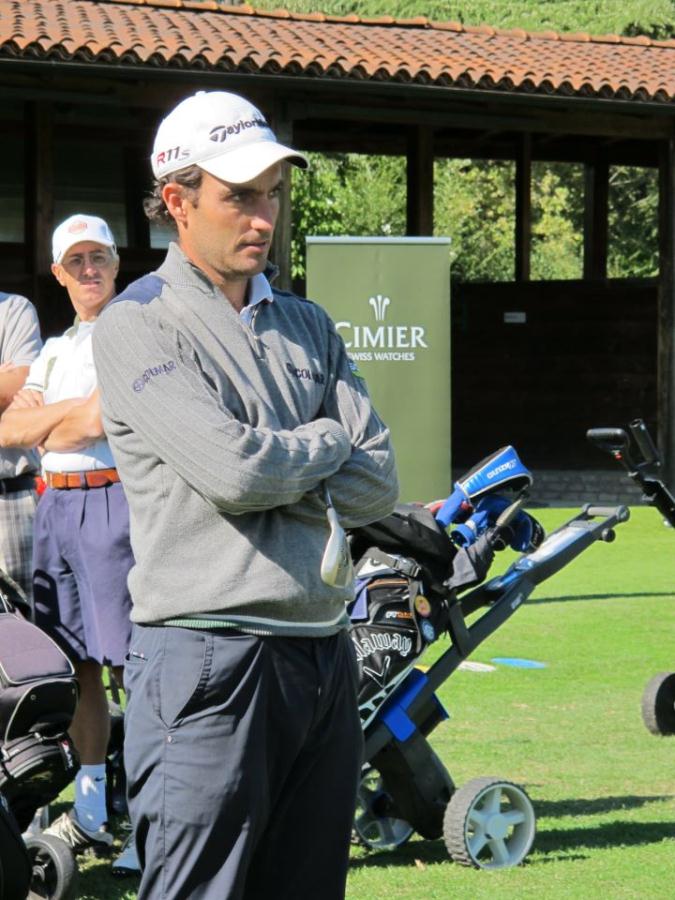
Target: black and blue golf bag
{"x": 409, "y": 564}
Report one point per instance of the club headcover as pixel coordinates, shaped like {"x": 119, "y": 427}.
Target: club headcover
{"x": 502, "y": 469}
{"x": 523, "y": 533}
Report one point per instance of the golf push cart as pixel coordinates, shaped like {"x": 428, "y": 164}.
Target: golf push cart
{"x": 418, "y": 576}
{"x": 640, "y": 458}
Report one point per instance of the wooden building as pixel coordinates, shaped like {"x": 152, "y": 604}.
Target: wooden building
{"x": 84, "y": 83}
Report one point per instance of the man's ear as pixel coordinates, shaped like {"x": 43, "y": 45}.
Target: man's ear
{"x": 175, "y": 201}
{"x": 57, "y": 272}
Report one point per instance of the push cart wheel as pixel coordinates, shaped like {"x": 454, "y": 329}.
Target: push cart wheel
{"x": 374, "y": 825}
{"x": 489, "y": 824}
{"x": 658, "y": 704}
{"x": 54, "y": 869}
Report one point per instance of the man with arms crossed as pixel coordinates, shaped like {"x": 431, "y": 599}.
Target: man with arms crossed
{"x": 229, "y": 407}
{"x": 20, "y": 343}
{"x": 81, "y": 554}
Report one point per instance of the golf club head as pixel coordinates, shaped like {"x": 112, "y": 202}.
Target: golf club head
{"x": 336, "y": 564}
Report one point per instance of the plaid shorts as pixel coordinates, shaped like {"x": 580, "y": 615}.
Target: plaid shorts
{"x": 17, "y": 512}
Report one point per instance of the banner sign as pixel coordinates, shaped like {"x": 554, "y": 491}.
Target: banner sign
{"x": 390, "y": 301}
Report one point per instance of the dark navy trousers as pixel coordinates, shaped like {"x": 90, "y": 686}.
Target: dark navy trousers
{"x": 243, "y": 756}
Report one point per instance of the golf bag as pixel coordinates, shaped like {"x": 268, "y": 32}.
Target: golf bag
{"x": 38, "y": 696}
{"x": 409, "y": 565}
{"x": 400, "y": 606}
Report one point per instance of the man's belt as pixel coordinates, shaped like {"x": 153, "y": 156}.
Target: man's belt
{"x": 94, "y": 478}
{"x": 24, "y": 482}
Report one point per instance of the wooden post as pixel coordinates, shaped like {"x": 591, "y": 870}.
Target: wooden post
{"x": 39, "y": 195}
{"x": 420, "y": 182}
{"x": 280, "y": 254}
{"x": 596, "y": 218}
{"x": 523, "y": 236}
{"x": 137, "y": 185}
{"x": 666, "y": 311}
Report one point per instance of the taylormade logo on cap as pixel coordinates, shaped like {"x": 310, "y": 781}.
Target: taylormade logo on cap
{"x": 79, "y": 228}
{"x": 222, "y": 133}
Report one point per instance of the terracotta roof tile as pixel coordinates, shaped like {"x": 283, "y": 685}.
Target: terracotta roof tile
{"x": 201, "y": 33}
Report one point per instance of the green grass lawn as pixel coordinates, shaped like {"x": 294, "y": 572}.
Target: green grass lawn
{"x": 603, "y": 787}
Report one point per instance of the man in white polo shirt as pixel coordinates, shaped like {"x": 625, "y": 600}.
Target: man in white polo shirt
{"x": 81, "y": 554}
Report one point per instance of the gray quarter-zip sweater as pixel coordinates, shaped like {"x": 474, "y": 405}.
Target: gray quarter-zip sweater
{"x": 223, "y": 433}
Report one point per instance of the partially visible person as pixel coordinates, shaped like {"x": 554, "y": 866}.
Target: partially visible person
{"x": 20, "y": 344}
{"x": 81, "y": 554}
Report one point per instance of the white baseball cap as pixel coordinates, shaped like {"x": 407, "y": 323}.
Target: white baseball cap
{"x": 221, "y": 133}
{"x": 80, "y": 228}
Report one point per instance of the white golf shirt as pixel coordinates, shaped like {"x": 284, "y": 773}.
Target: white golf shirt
{"x": 63, "y": 370}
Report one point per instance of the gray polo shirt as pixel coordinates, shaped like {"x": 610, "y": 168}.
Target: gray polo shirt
{"x": 20, "y": 344}
{"x": 223, "y": 432}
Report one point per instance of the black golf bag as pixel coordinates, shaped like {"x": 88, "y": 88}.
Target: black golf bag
{"x": 38, "y": 696}
{"x": 402, "y": 564}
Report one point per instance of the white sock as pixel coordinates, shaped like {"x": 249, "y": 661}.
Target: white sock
{"x": 90, "y": 797}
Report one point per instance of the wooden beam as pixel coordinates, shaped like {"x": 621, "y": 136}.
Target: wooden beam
{"x": 420, "y": 182}
{"x": 523, "y": 235}
{"x": 280, "y": 254}
{"x": 39, "y": 194}
{"x": 666, "y": 313}
{"x": 452, "y": 112}
{"x": 596, "y": 218}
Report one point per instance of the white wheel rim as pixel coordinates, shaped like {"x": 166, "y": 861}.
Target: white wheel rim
{"x": 499, "y": 827}
{"x": 378, "y": 832}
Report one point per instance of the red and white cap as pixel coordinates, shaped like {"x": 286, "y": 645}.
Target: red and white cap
{"x": 222, "y": 133}
{"x": 80, "y": 228}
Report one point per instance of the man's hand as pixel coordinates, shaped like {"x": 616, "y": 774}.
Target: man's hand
{"x": 29, "y": 420}
{"x": 29, "y": 399}
{"x": 12, "y": 378}
{"x": 79, "y": 428}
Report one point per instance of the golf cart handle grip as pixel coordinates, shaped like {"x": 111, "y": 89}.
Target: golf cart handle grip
{"x": 618, "y": 513}
{"x": 644, "y": 441}
{"x": 609, "y": 439}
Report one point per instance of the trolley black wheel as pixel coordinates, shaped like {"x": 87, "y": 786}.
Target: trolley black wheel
{"x": 54, "y": 868}
{"x": 489, "y": 824}
{"x": 375, "y": 825}
{"x": 658, "y": 704}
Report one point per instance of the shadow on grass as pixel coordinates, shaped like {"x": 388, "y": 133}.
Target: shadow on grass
{"x": 611, "y": 834}
{"x": 566, "y": 598}
{"x": 432, "y": 853}
{"x": 558, "y": 808}
{"x": 427, "y": 852}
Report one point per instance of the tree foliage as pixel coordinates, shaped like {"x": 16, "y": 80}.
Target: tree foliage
{"x": 474, "y": 201}
{"x": 655, "y": 17}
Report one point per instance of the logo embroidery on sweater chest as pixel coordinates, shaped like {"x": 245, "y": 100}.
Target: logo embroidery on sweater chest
{"x": 307, "y": 374}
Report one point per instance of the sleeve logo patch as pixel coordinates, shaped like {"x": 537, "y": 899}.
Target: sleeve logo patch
{"x": 162, "y": 369}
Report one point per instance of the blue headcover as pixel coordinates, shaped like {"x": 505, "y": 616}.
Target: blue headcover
{"x": 521, "y": 529}
{"x": 503, "y": 469}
